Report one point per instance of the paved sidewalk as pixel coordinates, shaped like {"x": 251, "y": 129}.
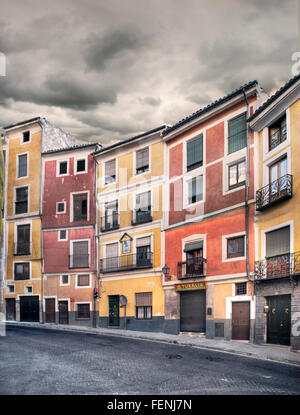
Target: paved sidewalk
{"x": 265, "y": 352}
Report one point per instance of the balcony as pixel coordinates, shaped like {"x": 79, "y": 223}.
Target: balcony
{"x": 110, "y": 222}
{"x": 278, "y": 266}
{"x": 127, "y": 262}
{"x": 141, "y": 216}
{"x": 192, "y": 268}
{"x": 23, "y": 248}
{"x": 277, "y": 191}
{"x": 79, "y": 261}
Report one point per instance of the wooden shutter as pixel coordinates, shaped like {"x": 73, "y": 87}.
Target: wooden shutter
{"x": 278, "y": 242}
{"x": 110, "y": 168}
{"x": 112, "y": 250}
{"x": 143, "y": 241}
{"x": 80, "y": 248}
{"x": 142, "y": 158}
{"x": 143, "y": 299}
{"x": 195, "y": 151}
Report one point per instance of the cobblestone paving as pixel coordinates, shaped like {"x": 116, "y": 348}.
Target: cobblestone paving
{"x": 37, "y": 361}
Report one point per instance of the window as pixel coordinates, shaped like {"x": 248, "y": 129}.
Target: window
{"x": 21, "y": 271}
{"x": 143, "y": 305}
{"x": 112, "y": 256}
{"x": 237, "y": 174}
{"x": 237, "y": 133}
{"x": 195, "y": 189}
{"x": 83, "y": 311}
{"x": 142, "y": 161}
{"x": 22, "y": 165}
{"x": 111, "y": 216}
{"x": 277, "y": 133}
{"x": 80, "y": 165}
{"x": 235, "y": 247}
{"x": 195, "y": 153}
{"x": 143, "y": 251}
{"x": 10, "y": 289}
{"x": 240, "y": 288}
{"x": 80, "y": 207}
{"x": 65, "y": 279}
{"x": 21, "y": 201}
{"x": 80, "y": 257}
{"x": 277, "y": 173}
{"x": 28, "y": 289}
{"x": 110, "y": 171}
{"x": 62, "y": 168}
{"x": 23, "y": 240}
{"x": 60, "y": 207}
{"x": 278, "y": 242}
{"x": 26, "y": 136}
{"x": 194, "y": 258}
{"x": 63, "y": 235}
{"x": 143, "y": 207}
{"x": 83, "y": 280}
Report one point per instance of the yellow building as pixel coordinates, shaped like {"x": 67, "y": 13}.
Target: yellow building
{"x": 22, "y": 226}
{"x": 130, "y": 207}
{"x": 277, "y": 219}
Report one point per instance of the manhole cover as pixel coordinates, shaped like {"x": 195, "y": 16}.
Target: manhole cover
{"x": 173, "y": 356}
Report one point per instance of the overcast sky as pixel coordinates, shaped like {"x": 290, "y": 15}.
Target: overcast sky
{"x": 106, "y": 70}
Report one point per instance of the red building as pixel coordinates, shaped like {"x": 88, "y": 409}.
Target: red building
{"x": 69, "y": 235}
{"x": 209, "y": 235}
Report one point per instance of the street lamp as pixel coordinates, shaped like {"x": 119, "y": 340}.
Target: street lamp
{"x": 165, "y": 270}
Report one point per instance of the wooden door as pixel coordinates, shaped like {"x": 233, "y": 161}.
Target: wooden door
{"x": 240, "y": 320}
{"x": 29, "y": 308}
{"x": 50, "y": 310}
{"x": 279, "y": 320}
{"x": 63, "y": 314}
{"x": 114, "y": 311}
{"x": 10, "y": 309}
{"x": 193, "y": 311}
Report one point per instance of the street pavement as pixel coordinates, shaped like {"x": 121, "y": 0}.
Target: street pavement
{"x": 47, "y": 360}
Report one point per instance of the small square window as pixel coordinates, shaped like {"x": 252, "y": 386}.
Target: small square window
{"x": 65, "y": 279}
{"x": 60, "y": 207}
{"x": 28, "y": 289}
{"x": 235, "y": 247}
{"x": 83, "y": 280}
{"x": 80, "y": 167}
{"x": 26, "y": 136}
{"x": 63, "y": 167}
{"x": 11, "y": 289}
{"x": 63, "y": 235}
{"x": 241, "y": 288}
{"x": 83, "y": 311}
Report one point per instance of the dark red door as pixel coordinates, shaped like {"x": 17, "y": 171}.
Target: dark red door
{"x": 10, "y": 309}
{"x": 240, "y": 320}
{"x": 63, "y": 312}
{"x": 50, "y": 310}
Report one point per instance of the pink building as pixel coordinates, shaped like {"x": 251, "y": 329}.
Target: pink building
{"x": 69, "y": 243}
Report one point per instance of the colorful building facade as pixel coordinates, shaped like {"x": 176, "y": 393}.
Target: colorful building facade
{"x": 277, "y": 217}
{"x": 130, "y": 208}
{"x": 209, "y": 237}
{"x": 69, "y": 236}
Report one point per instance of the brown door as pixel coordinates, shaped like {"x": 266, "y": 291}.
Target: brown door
{"x": 10, "y": 309}
{"x": 240, "y": 320}
{"x": 50, "y": 310}
{"x": 63, "y": 312}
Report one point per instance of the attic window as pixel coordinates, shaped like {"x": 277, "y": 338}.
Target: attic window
{"x": 26, "y": 136}
{"x": 80, "y": 166}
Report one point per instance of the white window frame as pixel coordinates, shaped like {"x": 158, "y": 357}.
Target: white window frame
{"x": 23, "y": 222}
{"x": 104, "y": 176}
{"x": 13, "y": 270}
{"x": 78, "y": 158}
{"x": 26, "y": 289}
{"x": 14, "y": 288}
{"x": 89, "y": 249}
{"x": 187, "y": 178}
{"x": 17, "y": 165}
{"x": 15, "y": 199}
{"x": 275, "y": 228}
{"x": 184, "y": 151}
{"x": 65, "y": 207}
{"x": 22, "y": 139}
{"x": 83, "y": 286}
{"x": 224, "y": 246}
{"x": 59, "y": 238}
{"x": 88, "y": 204}
{"x": 134, "y": 161}
{"x": 58, "y": 165}
{"x": 61, "y": 284}
{"x": 266, "y": 166}
{"x": 284, "y": 144}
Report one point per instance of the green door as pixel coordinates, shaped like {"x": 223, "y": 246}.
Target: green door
{"x": 279, "y": 320}
{"x": 114, "y": 311}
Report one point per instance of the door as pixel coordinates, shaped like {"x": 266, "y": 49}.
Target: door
{"x": 50, "y": 310}
{"x": 240, "y": 320}
{"x": 29, "y": 308}
{"x": 278, "y": 171}
{"x": 192, "y": 311}
{"x": 10, "y": 309}
{"x": 114, "y": 311}
{"x": 279, "y": 320}
{"x": 63, "y": 314}
{"x": 23, "y": 240}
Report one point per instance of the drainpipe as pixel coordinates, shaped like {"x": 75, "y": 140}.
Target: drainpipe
{"x": 40, "y": 202}
{"x": 247, "y": 189}
{"x": 95, "y": 220}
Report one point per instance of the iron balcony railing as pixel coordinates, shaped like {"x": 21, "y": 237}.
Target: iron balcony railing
{"x": 79, "y": 261}
{"x": 127, "y": 262}
{"x": 274, "y": 192}
{"x": 23, "y": 248}
{"x": 110, "y": 222}
{"x": 191, "y": 268}
{"x": 278, "y": 266}
{"x": 141, "y": 216}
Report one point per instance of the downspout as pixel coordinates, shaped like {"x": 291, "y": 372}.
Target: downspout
{"x": 247, "y": 188}
{"x": 96, "y": 257}
{"x": 40, "y": 202}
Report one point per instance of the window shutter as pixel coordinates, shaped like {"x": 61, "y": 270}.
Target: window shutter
{"x": 278, "y": 242}
{"x": 237, "y": 133}
{"x": 143, "y": 299}
{"x": 80, "y": 248}
{"x": 23, "y": 165}
{"x": 195, "y": 151}
{"x": 143, "y": 200}
{"x": 110, "y": 168}
{"x": 142, "y": 158}
{"x": 112, "y": 250}
{"x": 146, "y": 241}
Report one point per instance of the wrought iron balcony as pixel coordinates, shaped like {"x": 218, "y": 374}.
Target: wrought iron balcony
{"x": 141, "y": 216}
{"x": 274, "y": 192}
{"x": 110, "y": 222}
{"x": 127, "y": 262}
{"x": 79, "y": 261}
{"x": 22, "y": 248}
{"x": 191, "y": 268}
{"x": 277, "y": 266}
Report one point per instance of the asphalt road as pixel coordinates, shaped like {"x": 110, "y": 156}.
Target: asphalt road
{"x": 37, "y": 361}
